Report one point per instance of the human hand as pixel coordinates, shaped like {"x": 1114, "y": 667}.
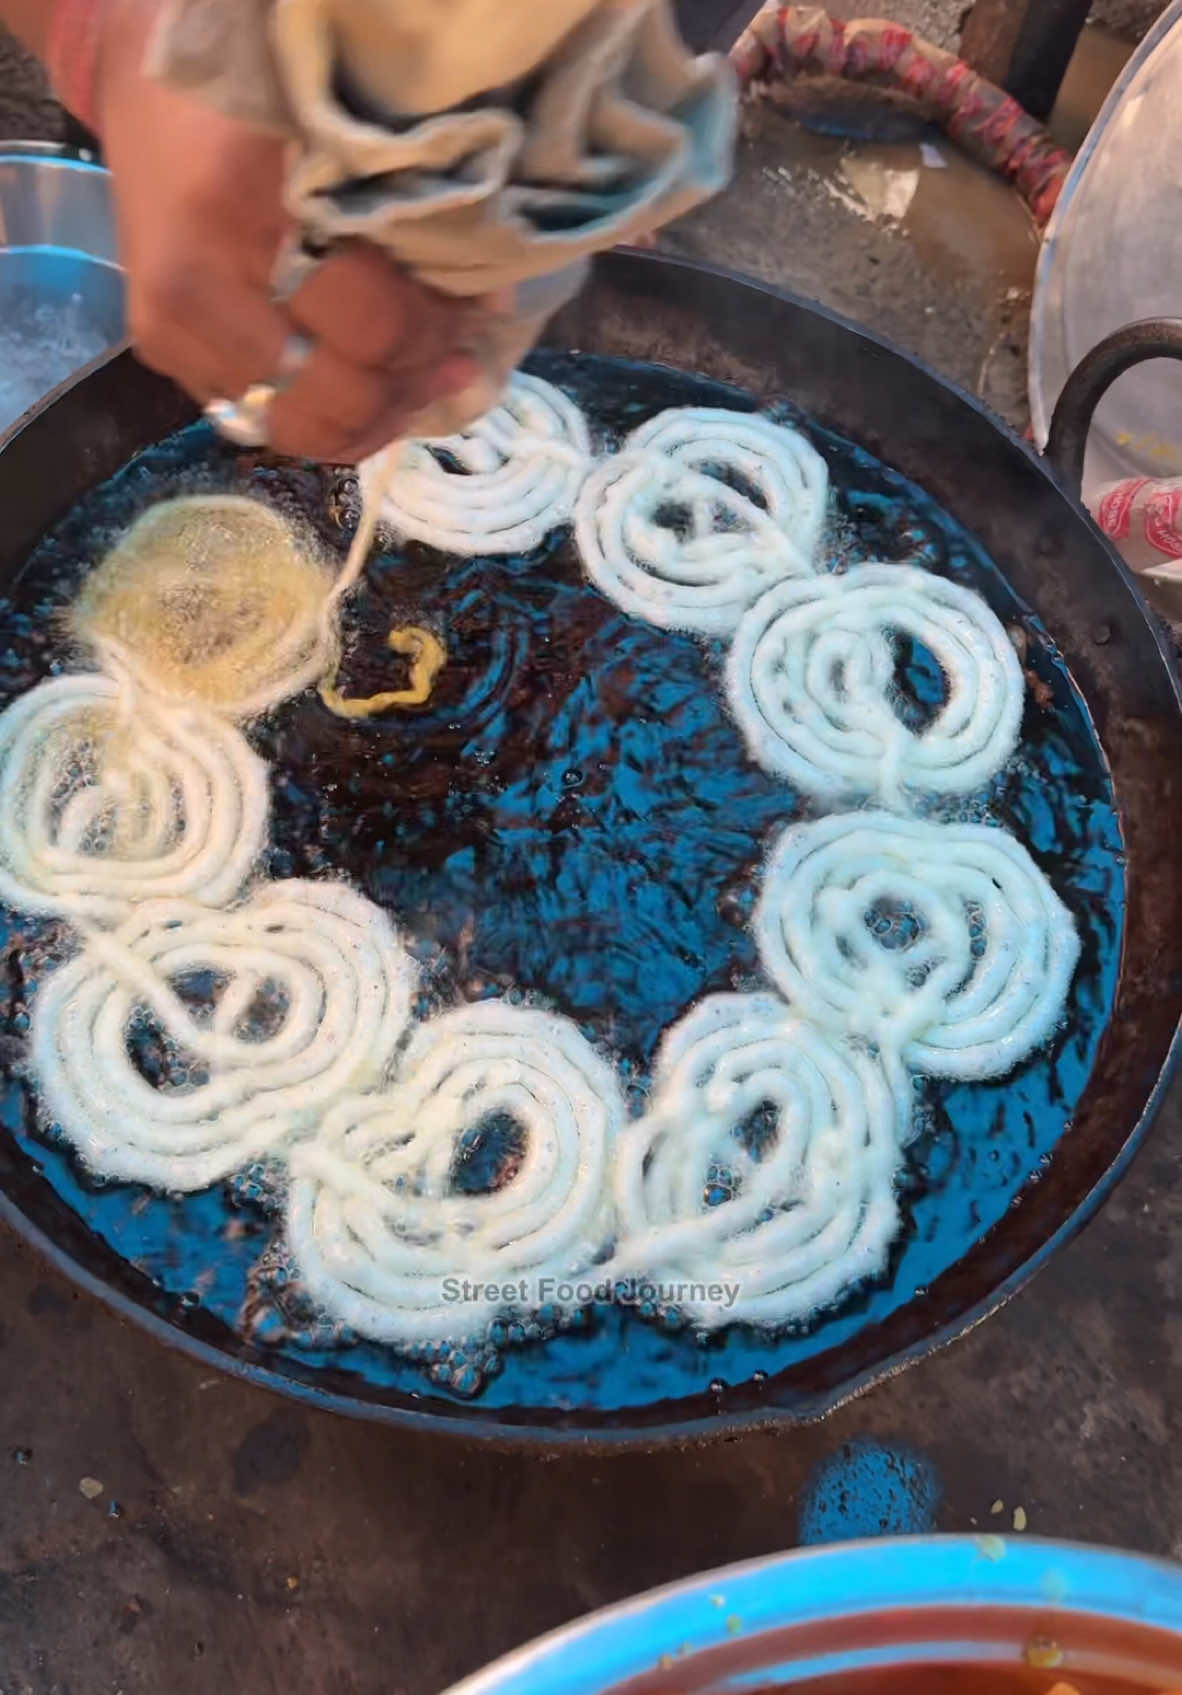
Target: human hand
{"x": 198, "y": 200}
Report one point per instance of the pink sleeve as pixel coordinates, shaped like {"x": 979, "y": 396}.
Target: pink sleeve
{"x": 72, "y": 56}
{"x": 1143, "y": 515}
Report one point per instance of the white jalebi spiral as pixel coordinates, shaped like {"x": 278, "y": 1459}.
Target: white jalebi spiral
{"x": 377, "y": 1226}
{"x": 306, "y": 990}
{"x": 501, "y": 486}
{"x": 811, "y": 681}
{"x": 944, "y": 942}
{"x": 108, "y": 797}
{"x": 676, "y": 546}
{"x": 773, "y": 461}
{"x": 803, "y": 1129}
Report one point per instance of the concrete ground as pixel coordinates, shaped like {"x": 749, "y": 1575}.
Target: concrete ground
{"x": 162, "y": 1528}
{"x": 906, "y": 236}
{"x": 940, "y": 20}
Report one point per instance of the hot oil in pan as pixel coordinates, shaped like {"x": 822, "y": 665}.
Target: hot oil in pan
{"x": 572, "y": 819}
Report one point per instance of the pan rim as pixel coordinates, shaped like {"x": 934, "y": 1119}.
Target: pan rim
{"x": 689, "y": 1419}
{"x": 863, "y": 1578}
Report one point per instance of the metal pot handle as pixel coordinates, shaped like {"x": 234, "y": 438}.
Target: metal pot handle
{"x": 1085, "y": 388}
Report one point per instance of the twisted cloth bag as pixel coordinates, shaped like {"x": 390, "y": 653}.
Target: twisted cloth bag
{"x": 489, "y": 146}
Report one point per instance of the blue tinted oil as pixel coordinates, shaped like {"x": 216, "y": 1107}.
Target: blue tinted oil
{"x": 869, "y": 1489}
{"x": 572, "y": 819}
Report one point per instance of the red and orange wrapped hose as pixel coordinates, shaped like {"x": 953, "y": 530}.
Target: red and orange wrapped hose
{"x": 795, "y": 41}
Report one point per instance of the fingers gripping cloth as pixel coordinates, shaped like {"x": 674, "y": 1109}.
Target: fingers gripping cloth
{"x": 485, "y": 147}
{"x": 942, "y": 942}
{"x": 767, "y": 1158}
{"x": 378, "y": 1222}
{"x": 263, "y": 1016}
{"x": 811, "y": 681}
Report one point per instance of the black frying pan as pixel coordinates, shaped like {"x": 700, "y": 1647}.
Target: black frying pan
{"x": 1059, "y": 569}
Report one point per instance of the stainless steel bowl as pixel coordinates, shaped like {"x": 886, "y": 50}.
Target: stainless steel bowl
{"x": 890, "y": 1617}
{"x": 61, "y": 288}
